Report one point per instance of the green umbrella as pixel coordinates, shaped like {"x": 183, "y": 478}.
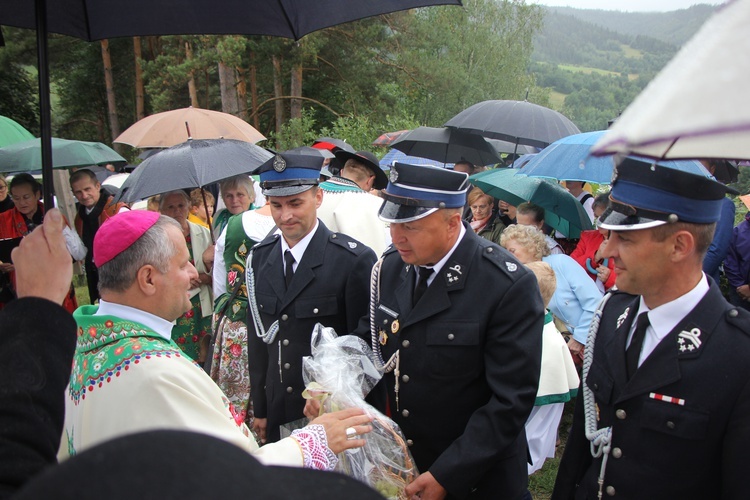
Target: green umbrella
{"x": 562, "y": 210}
{"x": 27, "y": 155}
{"x": 11, "y": 132}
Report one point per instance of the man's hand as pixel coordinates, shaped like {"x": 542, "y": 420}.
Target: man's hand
{"x": 312, "y": 409}
{"x": 744, "y": 292}
{"x": 42, "y": 262}
{"x": 425, "y": 487}
{"x": 602, "y": 273}
{"x": 575, "y": 348}
{"x": 259, "y": 428}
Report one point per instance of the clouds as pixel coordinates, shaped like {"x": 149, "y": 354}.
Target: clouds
{"x": 627, "y": 5}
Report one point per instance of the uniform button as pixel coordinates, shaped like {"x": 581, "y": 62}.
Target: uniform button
{"x": 670, "y": 424}
{"x": 405, "y": 378}
{"x": 287, "y": 366}
{"x": 315, "y": 311}
{"x": 290, "y": 389}
{"x": 621, "y": 414}
{"x": 409, "y": 443}
{"x": 405, "y": 413}
{"x": 284, "y": 317}
{"x": 261, "y": 306}
{"x": 333, "y": 236}
{"x": 733, "y": 313}
{"x": 385, "y": 321}
{"x": 611, "y": 491}
{"x": 451, "y": 336}
{"x": 285, "y": 342}
{"x": 596, "y": 387}
{"x": 489, "y": 250}
{"x": 616, "y": 452}
{"x": 405, "y": 344}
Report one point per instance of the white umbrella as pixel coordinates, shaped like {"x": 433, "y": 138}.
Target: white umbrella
{"x": 698, "y": 106}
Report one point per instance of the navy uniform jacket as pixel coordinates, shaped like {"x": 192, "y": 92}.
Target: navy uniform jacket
{"x": 470, "y": 358}
{"x": 695, "y": 450}
{"x": 330, "y": 286}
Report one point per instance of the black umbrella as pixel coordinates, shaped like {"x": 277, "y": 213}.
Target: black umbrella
{"x": 192, "y": 164}
{"x": 447, "y": 145}
{"x": 332, "y": 144}
{"x": 519, "y": 122}
{"x": 97, "y": 20}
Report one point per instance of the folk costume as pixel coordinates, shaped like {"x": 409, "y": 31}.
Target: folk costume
{"x": 666, "y": 391}
{"x": 463, "y": 361}
{"x": 230, "y": 363}
{"x": 329, "y": 284}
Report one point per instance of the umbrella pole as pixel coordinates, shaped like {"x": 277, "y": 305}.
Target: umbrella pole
{"x": 48, "y": 186}
{"x": 187, "y": 127}
{"x": 205, "y": 206}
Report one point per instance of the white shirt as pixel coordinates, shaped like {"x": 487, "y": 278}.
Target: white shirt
{"x": 439, "y": 265}
{"x": 157, "y": 324}
{"x": 664, "y": 318}
{"x": 299, "y": 249}
{"x": 588, "y": 205}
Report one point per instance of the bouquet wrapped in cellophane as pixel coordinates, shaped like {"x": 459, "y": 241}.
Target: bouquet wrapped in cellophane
{"x": 340, "y": 373}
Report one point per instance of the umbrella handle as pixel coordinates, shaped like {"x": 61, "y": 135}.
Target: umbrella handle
{"x": 205, "y": 205}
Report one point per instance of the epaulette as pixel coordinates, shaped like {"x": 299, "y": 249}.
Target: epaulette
{"x": 739, "y": 318}
{"x": 501, "y": 259}
{"x": 268, "y": 240}
{"x": 347, "y": 242}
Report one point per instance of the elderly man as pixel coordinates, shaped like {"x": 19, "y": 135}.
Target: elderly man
{"x": 458, "y": 321}
{"x": 95, "y": 206}
{"x": 666, "y": 390}
{"x": 348, "y": 205}
{"x": 129, "y": 376}
{"x": 301, "y": 275}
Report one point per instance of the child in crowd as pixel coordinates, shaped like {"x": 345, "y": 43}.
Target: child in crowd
{"x": 200, "y": 213}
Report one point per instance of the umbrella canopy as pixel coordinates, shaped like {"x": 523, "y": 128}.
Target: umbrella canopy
{"x": 388, "y": 138}
{"x": 519, "y": 122}
{"x": 512, "y": 148}
{"x": 192, "y": 164}
{"x": 331, "y": 144}
{"x": 12, "y": 132}
{"x": 294, "y": 19}
{"x": 521, "y": 161}
{"x": 696, "y": 107}
{"x": 26, "y": 156}
{"x": 447, "y": 145}
{"x": 394, "y": 155}
{"x": 170, "y": 128}
{"x": 562, "y": 210}
{"x": 569, "y": 159}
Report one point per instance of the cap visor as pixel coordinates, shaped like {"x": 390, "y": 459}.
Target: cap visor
{"x": 393, "y": 212}
{"x": 285, "y": 190}
{"x": 616, "y": 221}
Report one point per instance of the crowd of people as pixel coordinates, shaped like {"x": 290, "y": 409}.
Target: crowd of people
{"x": 483, "y": 320}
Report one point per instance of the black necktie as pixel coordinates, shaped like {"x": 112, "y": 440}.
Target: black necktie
{"x": 424, "y": 275}
{"x": 633, "y": 351}
{"x": 289, "y": 271}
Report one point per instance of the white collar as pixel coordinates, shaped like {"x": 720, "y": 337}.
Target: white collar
{"x": 439, "y": 265}
{"x": 157, "y": 324}
{"x": 297, "y": 250}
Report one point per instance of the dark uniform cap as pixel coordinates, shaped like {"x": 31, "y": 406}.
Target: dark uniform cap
{"x": 416, "y": 191}
{"x": 647, "y": 195}
{"x": 289, "y": 173}
{"x": 367, "y": 159}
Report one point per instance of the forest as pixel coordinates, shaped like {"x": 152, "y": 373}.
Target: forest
{"x": 354, "y": 81}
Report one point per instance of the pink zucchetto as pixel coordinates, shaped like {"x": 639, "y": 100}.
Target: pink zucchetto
{"x": 118, "y": 233}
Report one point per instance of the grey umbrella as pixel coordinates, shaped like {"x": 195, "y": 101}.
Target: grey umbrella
{"x": 97, "y": 20}
{"x": 447, "y": 146}
{"x": 519, "y": 122}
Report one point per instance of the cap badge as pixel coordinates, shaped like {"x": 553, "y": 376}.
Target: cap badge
{"x": 689, "y": 340}
{"x": 622, "y": 317}
{"x": 512, "y": 267}
{"x": 279, "y": 164}
{"x": 352, "y": 244}
{"x": 394, "y": 175}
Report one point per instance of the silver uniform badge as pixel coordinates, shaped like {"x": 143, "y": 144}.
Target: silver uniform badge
{"x": 352, "y": 244}
{"x": 512, "y": 267}
{"x": 279, "y": 164}
{"x": 394, "y": 175}
{"x": 623, "y": 317}
{"x": 689, "y": 340}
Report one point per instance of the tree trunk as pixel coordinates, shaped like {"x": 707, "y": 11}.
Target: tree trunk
{"x": 140, "y": 110}
{"x": 228, "y": 86}
{"x": 191, "y": 82}
{"x": 278, "y": 91}
{"x": 296, "y": 91}
{"x": 114, "y": 124}
{"x": 254, "y": 91}
{"x": 242, "y": 93}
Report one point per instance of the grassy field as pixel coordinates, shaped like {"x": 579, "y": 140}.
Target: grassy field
{"x": 556, "y": 99}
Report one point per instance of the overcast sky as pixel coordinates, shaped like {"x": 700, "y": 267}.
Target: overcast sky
{"x": 627, "y": 5}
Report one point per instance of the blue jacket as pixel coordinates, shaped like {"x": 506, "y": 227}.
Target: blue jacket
{"x": 737, "y": 263}
{"x": 717, "y": 252}
{"x": 576, "y": 296}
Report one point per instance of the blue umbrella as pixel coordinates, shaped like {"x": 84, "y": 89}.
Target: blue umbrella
{"x": 568, "y": 159}
{"x": 394, "y": 155}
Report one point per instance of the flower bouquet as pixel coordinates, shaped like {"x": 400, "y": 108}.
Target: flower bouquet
{"x": 340, "y": 373}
